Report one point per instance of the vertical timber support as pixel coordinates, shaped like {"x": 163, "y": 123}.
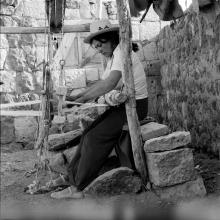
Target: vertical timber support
{"x": 127, "y": 75}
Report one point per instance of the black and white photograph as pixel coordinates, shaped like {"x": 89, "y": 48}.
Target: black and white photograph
{"x": 110, "y": 109}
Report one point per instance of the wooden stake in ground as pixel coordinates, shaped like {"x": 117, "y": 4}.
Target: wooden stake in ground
{"x": 127, "y": 75}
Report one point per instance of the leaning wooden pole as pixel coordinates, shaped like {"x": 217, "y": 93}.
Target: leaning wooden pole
{"x": 127, "y": 75}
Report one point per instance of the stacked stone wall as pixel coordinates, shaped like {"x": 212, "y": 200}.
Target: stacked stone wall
{"x": 189, "y": 53}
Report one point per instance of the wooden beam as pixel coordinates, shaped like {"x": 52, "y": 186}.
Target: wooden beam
{"x": 20, "y": 113}
{"x": 16, "y": 104}
{"x": 127, "y": 75}
{"x": 43, "y": 30}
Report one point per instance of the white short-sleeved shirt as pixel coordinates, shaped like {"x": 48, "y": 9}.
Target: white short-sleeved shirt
{"x": 140, "y": 82}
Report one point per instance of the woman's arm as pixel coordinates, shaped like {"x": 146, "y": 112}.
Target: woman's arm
{"x": 101, "y": 87}
{"x": 73, "y": 98}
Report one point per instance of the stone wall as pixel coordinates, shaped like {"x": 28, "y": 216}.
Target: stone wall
{"x": 189, "y": 52}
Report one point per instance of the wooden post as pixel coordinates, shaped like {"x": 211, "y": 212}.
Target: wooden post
{"x": 127, "y": 75}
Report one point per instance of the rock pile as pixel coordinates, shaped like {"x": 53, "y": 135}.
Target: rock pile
{"x": 170, "y": 165}
{"x": 169, "y": 162}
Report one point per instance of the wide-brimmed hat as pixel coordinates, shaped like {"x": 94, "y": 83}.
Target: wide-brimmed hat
{"x": 100, "y": 27}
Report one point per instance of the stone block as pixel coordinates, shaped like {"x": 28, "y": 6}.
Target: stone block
{"x": 114, "y": 182}
{"x": 168, "y": 142}
{"x": 69, "y": 153}
{"x": 60, "y": 141}
{"x": 153, "y": 130}
{"x": 8, "y": 78}
{"x": 84, "y": 9}
{"x": 28, "y": 9}
{"x": 57, "y": 163}
{"x": 15, "y": 60}
{"x": 184, "y": 191}
{"x": 7, "y": 134}
{"x": 3, "y": 42}
{"x": 72, "y": 14}
{"x": 72, "y": 4}
{"x": 170, "y": 167}
{"x": 24, "y": 82}
{"x": 3, "y": 54}
{"x": 25, "y": 129}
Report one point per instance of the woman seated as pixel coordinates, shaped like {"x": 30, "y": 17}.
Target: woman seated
{"x": 99, "y": 139}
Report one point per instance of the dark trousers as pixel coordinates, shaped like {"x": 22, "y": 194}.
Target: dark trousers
{"x": 97, "y": 142}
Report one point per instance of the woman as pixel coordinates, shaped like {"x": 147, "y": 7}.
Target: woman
{"x": 102, "y": 136}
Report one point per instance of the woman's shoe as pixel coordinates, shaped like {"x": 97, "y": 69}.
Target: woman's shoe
{"x": 68, "y": 193}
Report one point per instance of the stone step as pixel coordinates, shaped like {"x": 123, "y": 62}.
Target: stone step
{"x": 168, "y": 142}
{"x": 187, "y": 190}
{"x": 114, "y": 182}
{"x": 170, "y": 167}
{"x": 153, "y": 130}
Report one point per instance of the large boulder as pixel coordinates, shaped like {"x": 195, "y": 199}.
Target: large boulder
{"x": 170, "y": 167}
{"x": 117, "y": 181}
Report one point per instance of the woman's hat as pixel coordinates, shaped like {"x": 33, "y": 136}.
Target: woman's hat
{"x": 100, "y": 27}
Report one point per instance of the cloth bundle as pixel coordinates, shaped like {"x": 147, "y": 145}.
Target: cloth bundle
{"x": 167, "y": 10}
{"x": 113, "y": 98}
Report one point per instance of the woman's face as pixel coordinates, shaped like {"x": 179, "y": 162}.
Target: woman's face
{"x": 105, "y": 48}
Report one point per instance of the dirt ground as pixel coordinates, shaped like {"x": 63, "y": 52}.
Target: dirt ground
{"x": 16, "y": 203}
